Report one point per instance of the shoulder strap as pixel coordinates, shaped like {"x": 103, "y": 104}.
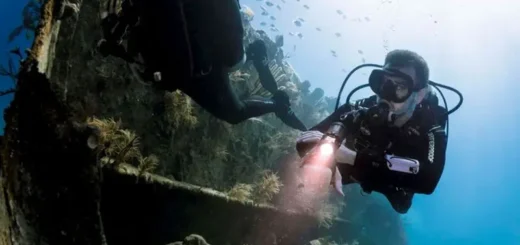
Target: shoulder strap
{"x": 432, "y": 112}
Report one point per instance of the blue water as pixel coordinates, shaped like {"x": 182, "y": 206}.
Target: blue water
{"x": 470, "y": 45}
{"x": 10, "y": 18}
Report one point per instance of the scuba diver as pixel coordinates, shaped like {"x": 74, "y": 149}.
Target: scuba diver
{"x": 193, "y": 46}
{"x": 395, "y": 141}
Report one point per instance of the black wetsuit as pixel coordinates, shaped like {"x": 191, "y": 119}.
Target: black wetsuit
{"x": 215, "y": 94}
{"x": 422, "y": 138}
{"x": 193, "y": 44}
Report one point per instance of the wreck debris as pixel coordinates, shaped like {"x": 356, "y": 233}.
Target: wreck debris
{"x": 279, "y": 41}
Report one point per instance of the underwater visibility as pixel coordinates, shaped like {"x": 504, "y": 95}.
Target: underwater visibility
{"x": 259, "y": 122}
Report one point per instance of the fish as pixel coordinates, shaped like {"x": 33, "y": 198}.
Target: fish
{"x": 318, "y": 29}
{"x": 339, "y": 12}
{"x": 269, "y": 4}
{"x": 297, "y": 23}
{"x": 272, "y": 17}
{"x": 337, "y": 34}
{"x": 306, "y": 6}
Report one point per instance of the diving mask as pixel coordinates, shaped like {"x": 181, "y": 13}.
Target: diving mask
{"x": 392, "y": 85}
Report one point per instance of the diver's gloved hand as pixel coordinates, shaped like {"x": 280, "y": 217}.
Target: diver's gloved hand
{"x": 283, "y": 111}
{"x": 307, "y": 142}
{"x": 257, "y": 51}
{"x": 373, "y": 135}
{"x": 281, "y": 99}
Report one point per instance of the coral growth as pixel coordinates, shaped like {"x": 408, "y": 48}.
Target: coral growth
{"x": 178, "y": 110}
{"x": 329, "y": 211}
{"x": 261, "y": 191}
{"x": 267, "y": 187}
{"x": 147, "y": 164}
{"x": 241, "y": 192}
{"x": 117, "y": 146}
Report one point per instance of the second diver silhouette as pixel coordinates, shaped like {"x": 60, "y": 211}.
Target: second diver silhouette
{"x": 178, "y": 48}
